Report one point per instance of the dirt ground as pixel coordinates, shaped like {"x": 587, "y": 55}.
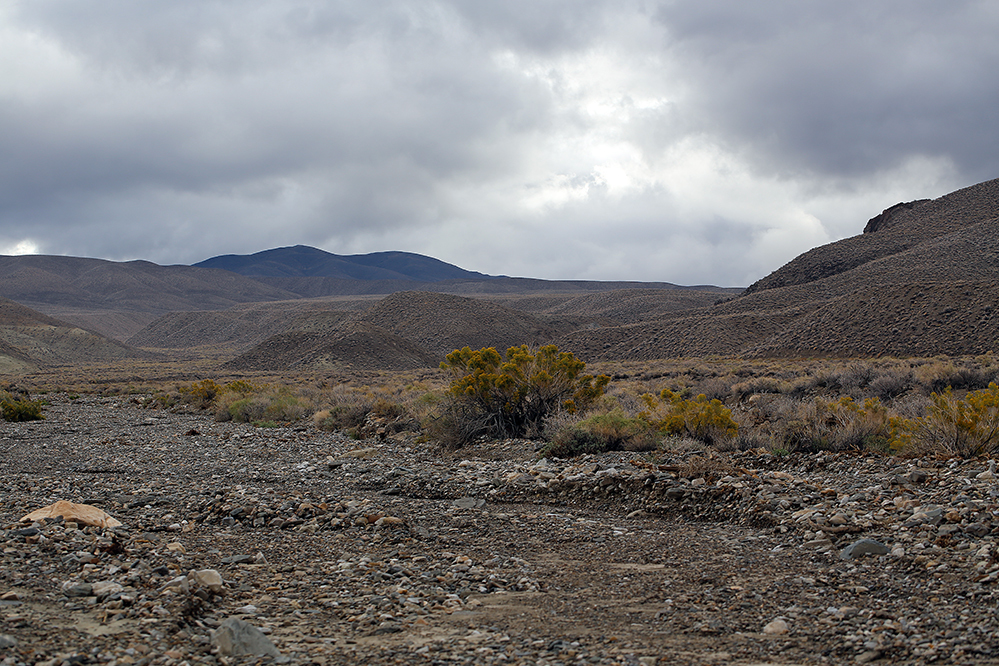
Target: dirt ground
{"x": 396, "y": 552}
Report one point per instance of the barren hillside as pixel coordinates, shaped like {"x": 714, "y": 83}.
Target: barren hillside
{"x": 30, "y": 339}
{"x": 402, "y": 331}
{"x": 920, "y": 281}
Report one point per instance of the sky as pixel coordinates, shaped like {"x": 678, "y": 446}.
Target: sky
{"x": 690, "y": 142}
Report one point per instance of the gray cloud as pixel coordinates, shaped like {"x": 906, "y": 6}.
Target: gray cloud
{"x": 681, "y": 141}
{"x": 845, "y": 89}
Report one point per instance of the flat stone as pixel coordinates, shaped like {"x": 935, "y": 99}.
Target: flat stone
{"x": 74, "y": 589}
{"x": 864, "y": 547}
{"x": 83, "y": 514}
{"x": 209, "y": 578}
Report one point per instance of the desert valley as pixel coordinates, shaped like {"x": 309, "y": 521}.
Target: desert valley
{"x": 287, "y": 461}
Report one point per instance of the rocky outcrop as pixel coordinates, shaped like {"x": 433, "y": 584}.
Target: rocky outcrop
{"x": 889, "y": 215}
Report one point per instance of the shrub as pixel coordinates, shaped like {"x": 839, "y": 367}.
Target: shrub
{"x": 200, "y": 394}
{"x": 571, "y": 442}
{"x": 706, "y": 420}
{"x": 891, "y": 384}
{"x": 760, "y": 385}
{"x": 953, "y": 427}
{"x": 361, "y": 415}
{"x": 511, "y": 395}
{"x": 612, "y": 431}
{"x": 15, "y": 408}
{"x": 278, "y": 405}
{"x": 837, "y": 425}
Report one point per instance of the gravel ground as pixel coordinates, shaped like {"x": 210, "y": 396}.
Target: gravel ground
{"x": 390, "y": 551}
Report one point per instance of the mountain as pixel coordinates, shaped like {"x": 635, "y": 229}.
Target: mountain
{"x": 303, "y": 261}
{"x": 921, "y": 280}
{"x": 120, "y": 298}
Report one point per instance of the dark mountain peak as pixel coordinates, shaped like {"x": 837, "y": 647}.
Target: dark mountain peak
{"x": 305, "y": 261}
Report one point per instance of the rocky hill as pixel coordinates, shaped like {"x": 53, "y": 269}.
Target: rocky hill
{"x": 403, "y": 331}
{"x": 30, "y": 340}
{"x": 921, "y": 280}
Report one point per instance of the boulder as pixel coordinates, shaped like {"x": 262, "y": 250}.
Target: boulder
{"x": 83, "y": 514}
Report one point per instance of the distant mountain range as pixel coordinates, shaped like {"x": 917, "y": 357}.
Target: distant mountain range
{"x": 922, "y": 280}
{"x": 302, "y": 261}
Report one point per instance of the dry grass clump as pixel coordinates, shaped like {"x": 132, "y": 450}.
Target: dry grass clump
{"x": 570, "y": 435}
{"x": 18, "y": 406}
{"x": 792, "y": 406}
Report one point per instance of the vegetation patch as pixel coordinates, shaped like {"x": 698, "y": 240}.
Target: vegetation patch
{"x": 952, "y": 426}
{"x": 511, "y": 395}
{"x": 19, "y": 408}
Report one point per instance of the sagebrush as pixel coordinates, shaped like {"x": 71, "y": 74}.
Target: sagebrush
{"x": 510, "y": 395}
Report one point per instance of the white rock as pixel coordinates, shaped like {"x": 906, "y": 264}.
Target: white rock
{"x": 776, "y": 626}
{"x": 209, "y": 578}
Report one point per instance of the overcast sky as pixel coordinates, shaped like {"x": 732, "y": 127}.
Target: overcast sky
{"x": 692, "y": 142}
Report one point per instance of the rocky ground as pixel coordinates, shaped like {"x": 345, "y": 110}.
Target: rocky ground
{"x": 389, "y": 551}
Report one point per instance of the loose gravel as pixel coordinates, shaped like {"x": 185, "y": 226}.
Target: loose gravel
{"x": 392, "y": 551}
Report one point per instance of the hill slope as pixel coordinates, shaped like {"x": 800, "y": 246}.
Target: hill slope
{"x": 403, "y": 331}
{"x": 30, "y": 339}
{"x": 922, "y": 280}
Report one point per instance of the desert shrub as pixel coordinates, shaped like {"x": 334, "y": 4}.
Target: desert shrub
{"x": 937, "y": 376}
{"x": 347, "y": 417}
{"x": 361, "y": 414}
{"x": 715, "y": 388}
{"x": 891, "y": 384}
{"x": 270, "y": 404}
{"x": 611, "y": 431}
{"x": 511, "y": 395}
{"x": 681, "y": 445}
{"x": 952, "y": 426}
{"x": 706, "y": 420}
{"x": 241, "y": 386}
{"x": 855, "y": 376}
{"x": 836, "y": 425}
{"x": 760, "y": 385}
{"x": 19, "y": 408}
{"x": 201, "y": 394}
{"x": 571, "y": 442}
{"x": 747, "y": 439}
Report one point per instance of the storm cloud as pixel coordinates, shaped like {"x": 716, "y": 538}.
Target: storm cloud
{"x": 682, "y": 141}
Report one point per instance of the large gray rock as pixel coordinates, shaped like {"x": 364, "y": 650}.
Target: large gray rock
{"x": 864, "y": 547}
{"x": 235, "y": 637}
